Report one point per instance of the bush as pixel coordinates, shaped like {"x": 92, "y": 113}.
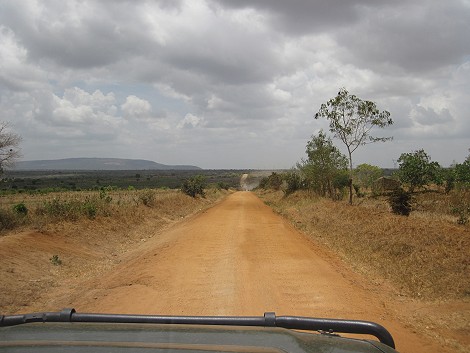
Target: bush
{"x": 194, "y": 186}
{"x": 71, "y": 210}
{"x": 20, "y": 209}
{"x": 400, "y": 201}
{"x": 147, "y": 197}
{"x": 274, "y": 181}
{"x": 223, "y": 186}
{"x": 7, "y": 220}
{"x": 460, "y": 206}
{"x": 294, "y": 182}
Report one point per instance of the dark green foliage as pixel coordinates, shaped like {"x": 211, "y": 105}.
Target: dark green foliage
{"x": 223, "y": 186}
{"x": 104, "y": 194}
{"x": 462, "y": 173}
{"x": 294, "y": 182}
{"x": 324, "y": 165}
{"x": 274, "y": 181}
{"x": 55, "y": 260}
{"x": 417, "y": 170}
{"x": 194, "y": 186}
{"x": 341, "y": 179}
{"x": 20, "y": 209}
{"x": 45, "y": 182}
{"x": 400, "y": 201}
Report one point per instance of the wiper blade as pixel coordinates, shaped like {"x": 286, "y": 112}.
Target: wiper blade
{"x": 268, "y": 320}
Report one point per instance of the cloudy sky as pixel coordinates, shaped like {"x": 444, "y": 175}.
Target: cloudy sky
{"x": 231, "y": 84}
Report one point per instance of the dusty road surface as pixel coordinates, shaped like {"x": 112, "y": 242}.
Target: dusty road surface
{"x": 236, "y": 258}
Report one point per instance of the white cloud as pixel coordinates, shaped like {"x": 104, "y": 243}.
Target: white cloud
{"x": 251, "y": 73}
{"x": 190, "y": 121}
{"x": 136, "y": 108}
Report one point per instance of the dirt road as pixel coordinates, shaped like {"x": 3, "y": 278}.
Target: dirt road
{"x": 238, "y": 258}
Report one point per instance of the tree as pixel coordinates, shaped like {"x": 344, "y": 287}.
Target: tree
{"x": 324, "y": 163}
{"x": 417, "y": 170}
{"x": 366, "y": 174}
{"x": 351, "y": 120}
{"x": 9, "y": 147}
{"x": 194, "y": 186}
{"x": 462, "y": 172}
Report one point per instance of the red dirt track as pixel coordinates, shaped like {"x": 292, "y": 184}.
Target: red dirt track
{"x": 238, "y": 258}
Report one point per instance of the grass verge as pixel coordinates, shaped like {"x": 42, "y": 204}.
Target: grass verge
{"x": 423, "y": 256}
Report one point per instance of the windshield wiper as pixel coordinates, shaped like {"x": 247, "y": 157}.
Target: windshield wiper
{"x": 268, "y": 320}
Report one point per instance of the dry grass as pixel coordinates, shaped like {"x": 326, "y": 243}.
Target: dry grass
{"x": 425, "y": 255}
{"x": 125, "y": 207}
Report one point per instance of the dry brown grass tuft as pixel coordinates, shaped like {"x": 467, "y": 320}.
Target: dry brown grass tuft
{"x": 126, "y": 207}
{"x": 426, "y": 255}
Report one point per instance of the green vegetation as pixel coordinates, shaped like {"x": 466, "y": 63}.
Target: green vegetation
{"x": 417, "y": 170}
{"x": 351, "y": 120}
{"x": 46, "y": 182}
{"x": 294, "y": 182}
{"x": 55, "y": 260}
{"x": 194, "y": 186}
{"x": 274, "y": 181}
{"x": 20, "y": 208}
{"x": 364, "y": 175}
{"x": 323, "y": 165}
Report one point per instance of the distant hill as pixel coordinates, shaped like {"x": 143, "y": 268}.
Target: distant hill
{"x": 98, "y": 164}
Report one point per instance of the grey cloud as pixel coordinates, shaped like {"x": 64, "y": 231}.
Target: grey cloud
{"x": 428, "y": 116}
{"x": 299, "y": 17}
{"x": 231, "y": 72}
{"x": 77, "y": 35}
{"x": 416, "y": 36}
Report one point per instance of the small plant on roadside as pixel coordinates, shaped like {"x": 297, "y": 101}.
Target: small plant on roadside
{"x": 7, "y": 220}
{"x": 147, "y": 197}
{"x": 462, "y": 212}
{"x": 104, "y": 195}
{"x": 90, "y": 208}
{"x": 55, "y": 260}
{"x": 400, "y": 201}
{"x": 20, "y": 209}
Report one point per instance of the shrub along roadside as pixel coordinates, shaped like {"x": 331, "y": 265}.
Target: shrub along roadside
{"x": 39, "y": 211}
{"x": 422, "y": 257}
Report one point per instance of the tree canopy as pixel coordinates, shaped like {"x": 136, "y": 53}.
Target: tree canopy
{"x": 417, "y": 170}
{"x": 323, "y": 165}
{"x": 351, "y": 119}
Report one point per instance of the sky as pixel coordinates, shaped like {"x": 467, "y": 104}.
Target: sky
{"x": 231, "y": 84}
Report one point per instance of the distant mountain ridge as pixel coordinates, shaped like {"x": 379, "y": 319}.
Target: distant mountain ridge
{"x": 98, "y": 164}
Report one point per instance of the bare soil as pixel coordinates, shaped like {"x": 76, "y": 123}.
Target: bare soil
{"x": 236, "y": 258}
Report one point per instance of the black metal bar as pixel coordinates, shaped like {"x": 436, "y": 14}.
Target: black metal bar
{"x": 268, "y": 320}
{"x": 337, "y": 325}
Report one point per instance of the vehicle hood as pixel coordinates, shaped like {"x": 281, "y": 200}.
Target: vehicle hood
{"x": 123, "y": 337}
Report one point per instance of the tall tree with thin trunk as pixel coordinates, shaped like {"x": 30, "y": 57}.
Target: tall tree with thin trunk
{"x": 351, "y": 120}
